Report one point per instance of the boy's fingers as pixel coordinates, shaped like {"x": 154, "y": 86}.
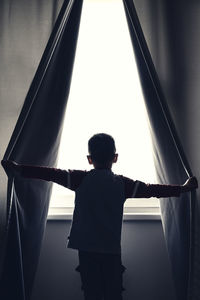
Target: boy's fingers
{"x": 6, "y": 163}
{"x": 10, "y": 167}
{"x": 192, "y": 182}
{"x": 3, "y": 163}
{"x": 195, "y": 182}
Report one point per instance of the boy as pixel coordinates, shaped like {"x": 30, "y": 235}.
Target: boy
{"x": 97, "y": 219}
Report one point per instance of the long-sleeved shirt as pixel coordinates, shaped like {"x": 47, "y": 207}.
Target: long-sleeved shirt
{"x": 99, "y": 198}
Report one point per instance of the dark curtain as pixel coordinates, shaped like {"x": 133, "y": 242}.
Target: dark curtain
{"x": 35, "y": 140}
{"x": 171, "y": 164}
{"x": 25, "y": 27}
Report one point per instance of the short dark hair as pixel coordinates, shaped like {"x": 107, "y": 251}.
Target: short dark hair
{"x": 101, "y": 147}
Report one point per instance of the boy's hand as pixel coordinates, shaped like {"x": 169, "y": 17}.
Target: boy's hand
{"x": 11, "y": 167}
{"x": 189, "y": 185}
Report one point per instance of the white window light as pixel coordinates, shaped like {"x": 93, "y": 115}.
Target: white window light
{"x": 106, "y": 96}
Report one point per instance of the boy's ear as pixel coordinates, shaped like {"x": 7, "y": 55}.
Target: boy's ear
{"x": 115, "y": 158}
{"x": 89, "y": 159}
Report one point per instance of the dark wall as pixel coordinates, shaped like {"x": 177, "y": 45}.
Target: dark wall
{"x": 145, "y": 256}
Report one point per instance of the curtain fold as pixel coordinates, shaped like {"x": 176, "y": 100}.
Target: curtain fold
{"x": 35, "y": 140}
{"x": 171, "y": 163}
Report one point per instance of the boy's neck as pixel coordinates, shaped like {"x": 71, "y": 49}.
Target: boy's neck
{"x": 99, "y": 167}
{"x": 102, "y": 168}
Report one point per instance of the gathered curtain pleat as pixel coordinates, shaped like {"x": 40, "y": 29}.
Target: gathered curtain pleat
{"x": 170, "y": 161}
{"x": 35, "y": 140}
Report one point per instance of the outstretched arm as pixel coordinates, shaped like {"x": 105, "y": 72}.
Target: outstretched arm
{"x": 70, "y": 179}
{"x": 36, "y": 172}
{"x": 164, "y": 190}
{"x": 139, "y": 189}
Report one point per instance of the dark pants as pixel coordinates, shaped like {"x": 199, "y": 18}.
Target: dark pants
{"x": 101, "y": 275}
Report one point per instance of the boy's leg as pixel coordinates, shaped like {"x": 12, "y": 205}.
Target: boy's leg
{"x": 90, "y": 275}
{"x": 112, "y": 277}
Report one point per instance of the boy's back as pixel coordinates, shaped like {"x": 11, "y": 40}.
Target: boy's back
{"x": 98, "y": 212}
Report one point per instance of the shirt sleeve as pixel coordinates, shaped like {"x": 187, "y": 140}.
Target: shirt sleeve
{"x": 75, "y": 178}
{"x": 139, "y": 189}
{"x": 157, "y": 190}
{"x": 68, "y": 178}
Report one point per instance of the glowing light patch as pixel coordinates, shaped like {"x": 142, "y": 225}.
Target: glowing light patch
{"x": 105, "y": 96}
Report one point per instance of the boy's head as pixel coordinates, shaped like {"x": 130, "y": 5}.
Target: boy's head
{"x": 101, "y": 148}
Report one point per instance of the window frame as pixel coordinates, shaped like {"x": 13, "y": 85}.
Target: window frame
{"x": 139, "y": 210}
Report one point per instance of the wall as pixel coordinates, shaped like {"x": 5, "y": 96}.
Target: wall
{"x": 147, "y": 276}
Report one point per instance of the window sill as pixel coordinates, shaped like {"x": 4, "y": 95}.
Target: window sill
{"x": 130, "y": 213}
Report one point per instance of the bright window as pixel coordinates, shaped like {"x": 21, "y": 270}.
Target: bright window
{"x": 105, "y": 96}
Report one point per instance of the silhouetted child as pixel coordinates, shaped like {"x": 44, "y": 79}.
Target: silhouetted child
{"x": 97, "y": 219}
